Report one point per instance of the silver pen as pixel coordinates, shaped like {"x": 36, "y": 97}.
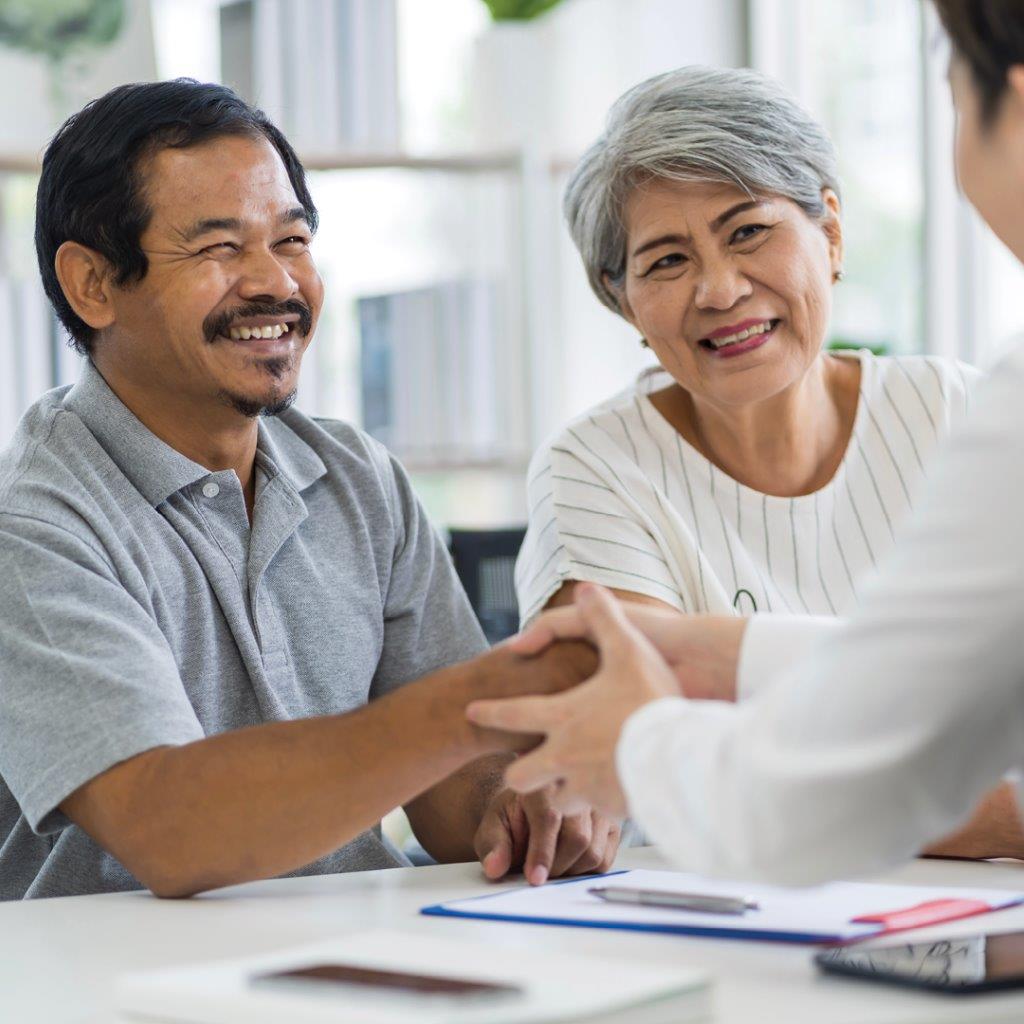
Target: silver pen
{"x": 700, "y": 903}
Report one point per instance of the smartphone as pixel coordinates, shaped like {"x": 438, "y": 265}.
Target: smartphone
{"x": 325, "y": 978}
{"x": 961, "y": 966}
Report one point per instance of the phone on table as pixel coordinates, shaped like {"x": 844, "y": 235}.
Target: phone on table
{"x": 959, "y": 966}
{"x": 332, "y": 978}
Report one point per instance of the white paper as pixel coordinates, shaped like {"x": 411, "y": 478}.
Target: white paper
{"x": 824, "y": 912}
{"x": 557, "y": 986}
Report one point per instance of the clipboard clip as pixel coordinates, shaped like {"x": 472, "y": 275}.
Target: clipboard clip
{"x": 930, "y": 912}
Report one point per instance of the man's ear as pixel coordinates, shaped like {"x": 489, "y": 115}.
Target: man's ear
{"x": 85, "y": 279}
{"x": 832, "y": 225}
{"x": 618, "y": 289}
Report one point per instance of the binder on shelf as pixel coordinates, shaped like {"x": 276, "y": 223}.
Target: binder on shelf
{"x": 433, "y": 387}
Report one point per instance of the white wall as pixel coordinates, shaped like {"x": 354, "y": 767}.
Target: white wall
{"x": 545, "y": 87}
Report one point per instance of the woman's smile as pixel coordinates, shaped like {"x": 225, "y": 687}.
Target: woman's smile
{"x": 729, "y": 342}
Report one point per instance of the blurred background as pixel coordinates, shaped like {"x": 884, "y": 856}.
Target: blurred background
{"x": 459, "y": 327}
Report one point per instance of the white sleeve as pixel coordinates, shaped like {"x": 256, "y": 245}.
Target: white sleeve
{"x": 773, "y": 643}
{"x": 886, "y": 736}
{"x": 586, "y": 522}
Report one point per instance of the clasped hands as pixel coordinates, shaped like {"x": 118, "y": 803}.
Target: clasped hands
{"x": 645, "y": 654}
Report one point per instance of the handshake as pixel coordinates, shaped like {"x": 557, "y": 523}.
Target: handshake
{"x": 627, "y": 655}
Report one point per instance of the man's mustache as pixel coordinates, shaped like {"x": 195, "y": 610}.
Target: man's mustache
{"x": 219, "y": 323}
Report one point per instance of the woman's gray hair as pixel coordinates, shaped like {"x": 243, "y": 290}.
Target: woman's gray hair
{"x": 734, "y": 126}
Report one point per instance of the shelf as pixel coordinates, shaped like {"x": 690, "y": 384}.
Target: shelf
{"x": 460, "y": 163}
{"x": 456, "y": 163}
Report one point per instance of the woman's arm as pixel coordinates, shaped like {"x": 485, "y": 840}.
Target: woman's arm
{"x": 888, "y": 736}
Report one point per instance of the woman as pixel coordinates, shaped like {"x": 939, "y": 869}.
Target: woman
{"x": 754, "y": 472}
{"x": 884, "y": 737}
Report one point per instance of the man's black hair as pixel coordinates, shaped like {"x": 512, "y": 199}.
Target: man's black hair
{"x": 92, "y": 188}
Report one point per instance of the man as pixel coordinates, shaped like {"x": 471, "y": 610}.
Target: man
{"x": 211, "y": 602}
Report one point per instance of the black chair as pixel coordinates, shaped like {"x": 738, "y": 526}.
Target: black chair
{"x": 485, "y": 561}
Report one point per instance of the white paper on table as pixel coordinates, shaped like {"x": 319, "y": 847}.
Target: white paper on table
{"x": 820, "y": 914}
{"x": 556, "y": 986}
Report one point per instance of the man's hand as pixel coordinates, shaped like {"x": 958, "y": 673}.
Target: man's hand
{"x": 447, "y": 816}
{"x": 504, "y": 672}
{"x": 702, "y": 650}
{"x": 527, "y": 831}
{"x": 582, "y": 725}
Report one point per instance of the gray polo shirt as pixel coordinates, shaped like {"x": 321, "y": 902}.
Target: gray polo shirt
{"x": 137, "y": 608}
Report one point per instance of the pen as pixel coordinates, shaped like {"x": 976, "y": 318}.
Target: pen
{"x": 695, "y": 901}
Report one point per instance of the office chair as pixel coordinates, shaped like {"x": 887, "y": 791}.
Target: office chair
{"x": 484, "y": 561}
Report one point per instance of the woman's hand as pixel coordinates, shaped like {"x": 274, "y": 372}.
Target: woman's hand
{"x": 582, "y": 725}
{"x": 702, "y": 650}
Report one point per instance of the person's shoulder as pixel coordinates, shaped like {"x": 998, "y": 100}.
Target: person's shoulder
{"x": 42, "y": 468}
{"x": 609, "y": 426}
{"x": 937, "y": 381}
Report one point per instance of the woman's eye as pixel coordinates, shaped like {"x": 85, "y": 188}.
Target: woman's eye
{"x": 673, "y": 259}
{"x": 748, "y": 231}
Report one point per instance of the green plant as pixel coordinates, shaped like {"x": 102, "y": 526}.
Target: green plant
{"x": 841, "y": 344}
{"x": 518, "y": 10}
{"x": 55, "y": 28}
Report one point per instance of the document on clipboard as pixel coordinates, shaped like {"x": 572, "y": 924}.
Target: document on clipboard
{"x": 836, "y": 913}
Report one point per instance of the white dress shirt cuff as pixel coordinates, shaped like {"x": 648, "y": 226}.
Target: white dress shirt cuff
{"x": 665, "y": 799}
{"x": 773, "y": 643}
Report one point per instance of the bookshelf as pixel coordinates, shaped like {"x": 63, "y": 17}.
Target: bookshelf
{"x": 339, "y": 342}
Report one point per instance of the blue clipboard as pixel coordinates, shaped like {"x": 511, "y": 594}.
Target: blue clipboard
{"x": 474, "y": 907}
{"x": 849, "y": 926}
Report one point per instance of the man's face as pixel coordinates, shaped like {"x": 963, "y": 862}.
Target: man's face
{"x": 231, "y": 297}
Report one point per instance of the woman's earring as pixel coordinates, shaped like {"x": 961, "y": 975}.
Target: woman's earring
{"x": 643, "y": 343}
{"x": 838, "y": 276}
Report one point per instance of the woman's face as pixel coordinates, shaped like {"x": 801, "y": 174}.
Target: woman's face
{"x": 990, "y": 156}
{"x": 705, "y": 263}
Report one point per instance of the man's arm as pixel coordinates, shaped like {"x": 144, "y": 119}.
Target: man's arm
{"x": 258, "y": 802}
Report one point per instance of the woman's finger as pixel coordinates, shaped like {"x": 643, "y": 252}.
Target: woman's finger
{"x": 557, "y": 624}
{"x": 517, "y": 714}
{"x": 606, "y": 621}
{"x": 533, "y": 771}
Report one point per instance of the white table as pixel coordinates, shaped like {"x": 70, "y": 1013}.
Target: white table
{"x": 58, "y": 958}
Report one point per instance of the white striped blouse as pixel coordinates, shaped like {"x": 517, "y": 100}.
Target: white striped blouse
{"x": 619, "y": 498}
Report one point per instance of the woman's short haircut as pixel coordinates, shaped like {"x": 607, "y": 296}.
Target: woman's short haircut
{"x": 989, "y": 36}
{"x": 92, "y": 187}
{"x": 695, "y": 124}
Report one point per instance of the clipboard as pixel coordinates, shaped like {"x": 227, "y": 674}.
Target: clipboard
{"x": 838, "y": 913}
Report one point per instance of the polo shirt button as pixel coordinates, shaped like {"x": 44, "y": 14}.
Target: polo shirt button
{"x": 211, "y": 490}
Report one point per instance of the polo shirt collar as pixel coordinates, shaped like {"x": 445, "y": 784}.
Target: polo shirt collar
{"x": 292, "y": 457}
{"x": 153, "y": 467}
{"x": 156, "y": 469}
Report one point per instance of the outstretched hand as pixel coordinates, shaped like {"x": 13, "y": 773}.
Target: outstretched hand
{"x": 581, "y": 726}
{"x": 701, "y": 650}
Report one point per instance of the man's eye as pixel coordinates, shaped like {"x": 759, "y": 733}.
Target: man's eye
{"x": 296, "y": 244}
{"x": 748, "y": 231}
{"x": 673, "y": 259}
{"x": 220, "y": 249}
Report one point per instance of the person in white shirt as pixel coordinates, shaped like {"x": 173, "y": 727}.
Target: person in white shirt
{"x": 886, "y": 734}
{"x": 754, "y": 472}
